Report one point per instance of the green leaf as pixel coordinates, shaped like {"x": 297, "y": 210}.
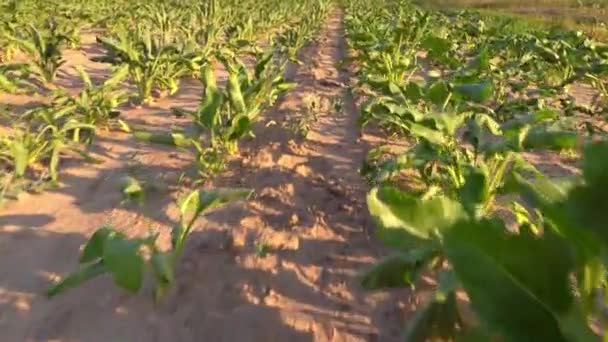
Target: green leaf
{"x": 394, "y": 89}
{"x": 399, "y": 270}
{"x": 437, "y": 46}
{"x": 438, "y": 92}
{"x": 413, "y": 92}
{"x": 447, "y": 122}
{"x": 20, "y": 155}
{"x": 431, "y": 135}
{"x": 586, "y": 207}
{"x": 475, "y": 191}
{"x": 93, "y": 250}
{"x": 481, "y": 128}
{"x": 235, "y": 94}
{"x": 57, "y": 146}
{"x": 117, "y": 76}
{"x": 475, "y": 92}
{"x": 121, "y": 257}
{"x": 403, "y": 218}
{"x": 84, "y": 274}
{"x": 163, "y": 266}
{"x": 209, "y": 111}
{"x": 559, "y": 203}
{"x": 595, "y": 164}
{"x": 132, "y": 188}
{"x": 518, "y": 284}
{"x": 542, "y": 139}
{"x": 198, "y": 202}
{"x": 240, "y": 125}
{"x": 260, "y": 67}
{"x": 84, "y": 75}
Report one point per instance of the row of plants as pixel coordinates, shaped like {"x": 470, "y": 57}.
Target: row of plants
{"x": 226, "y": 115}
{"x": 151, "y": 58}
{"x": 516, "y": 254}
{"x": 152, "y": 38}
{"x": 183, "y": 20}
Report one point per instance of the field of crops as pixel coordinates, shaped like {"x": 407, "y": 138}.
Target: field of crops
{"x": 313, "y": 170}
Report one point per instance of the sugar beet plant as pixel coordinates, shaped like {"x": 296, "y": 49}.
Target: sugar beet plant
{"x": 44, "y": 49}
{"x": 550, "y": 265}
{"x": 461, "y": 203}
{"x": 226, "y": 114}
{"x": 152, "y": 64}
{"x": 109, "y": 251}
{"x": 95, "y": 104}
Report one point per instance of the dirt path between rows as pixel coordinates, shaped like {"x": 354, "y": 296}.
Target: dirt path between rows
{"x": 308, "y": 213}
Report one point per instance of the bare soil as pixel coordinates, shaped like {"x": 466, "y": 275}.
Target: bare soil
{"x": 309, "y": 211}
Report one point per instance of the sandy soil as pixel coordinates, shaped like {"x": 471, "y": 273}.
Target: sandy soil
{"x": 309, "y": 210}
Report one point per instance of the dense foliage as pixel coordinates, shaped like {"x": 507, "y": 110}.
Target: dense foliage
{"x": 516, "y": 254}
{"x": 462, "y": 203}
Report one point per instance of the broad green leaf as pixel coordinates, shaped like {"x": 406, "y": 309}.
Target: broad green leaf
{"x": 448, "y": 122}
{"x": 437, "y": 46}
{"x": 586, "y": 207}
{"x": 476, "y": 92}
{"x": 433, "y": 136}
{"x": 438, "y": 92}
{"x": 84, "y": 274}
{"x": 555, "y": 200}
{"x": 518, "y": 284}
{"x": 481, "y": 130}
{"x": 595, "y": 164}
{"x": 122, "y": 259}
{"x": 536, "y": 139}
{"x": 475, "y": 191}
{"x": 198, "y": 202}
{"x": 413, "y": 92}
{"x": 162, "y": 264}
{"x": 93, "y": 250}
{"x": 403, "y": 218}
{"x": 394, "y": 89}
